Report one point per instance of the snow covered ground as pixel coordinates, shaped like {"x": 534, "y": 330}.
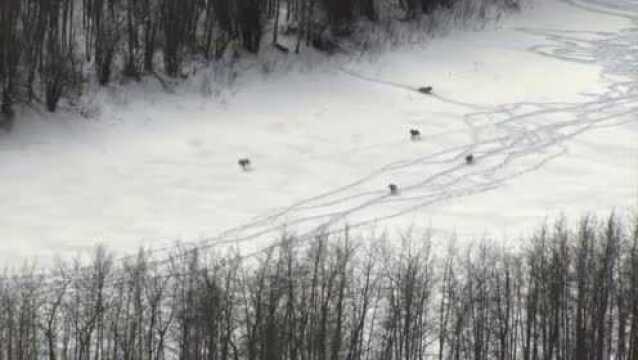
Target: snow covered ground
{"x": 547, "y": 101}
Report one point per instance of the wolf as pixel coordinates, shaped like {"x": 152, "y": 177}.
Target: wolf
{"x": 425, "y": 90}
{"x": 469, "y": 159}
{"x": 244, "y": 163}
{"x": 415, "y": 134}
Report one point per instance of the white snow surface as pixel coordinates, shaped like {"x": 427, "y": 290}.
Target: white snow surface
{"x": 547, "y": 101}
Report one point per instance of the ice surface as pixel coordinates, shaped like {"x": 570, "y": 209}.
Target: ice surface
{"x": 546, "y": 102}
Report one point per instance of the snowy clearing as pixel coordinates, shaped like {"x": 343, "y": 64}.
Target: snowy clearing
{"x": 547, "y": 102}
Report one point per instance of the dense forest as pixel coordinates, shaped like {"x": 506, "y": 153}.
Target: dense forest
{"x": 50, "y": 48}
{"x": 563, "y": 294}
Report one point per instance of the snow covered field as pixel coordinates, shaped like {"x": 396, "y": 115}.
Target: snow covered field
{"x": 547, "y": 101}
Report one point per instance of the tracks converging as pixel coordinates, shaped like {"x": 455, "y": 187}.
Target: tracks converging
{"x": 508, "y": 140}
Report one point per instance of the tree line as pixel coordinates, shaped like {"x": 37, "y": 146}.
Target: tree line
{"x": 565, "y": 294}
{"x": 49, "y": 48}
